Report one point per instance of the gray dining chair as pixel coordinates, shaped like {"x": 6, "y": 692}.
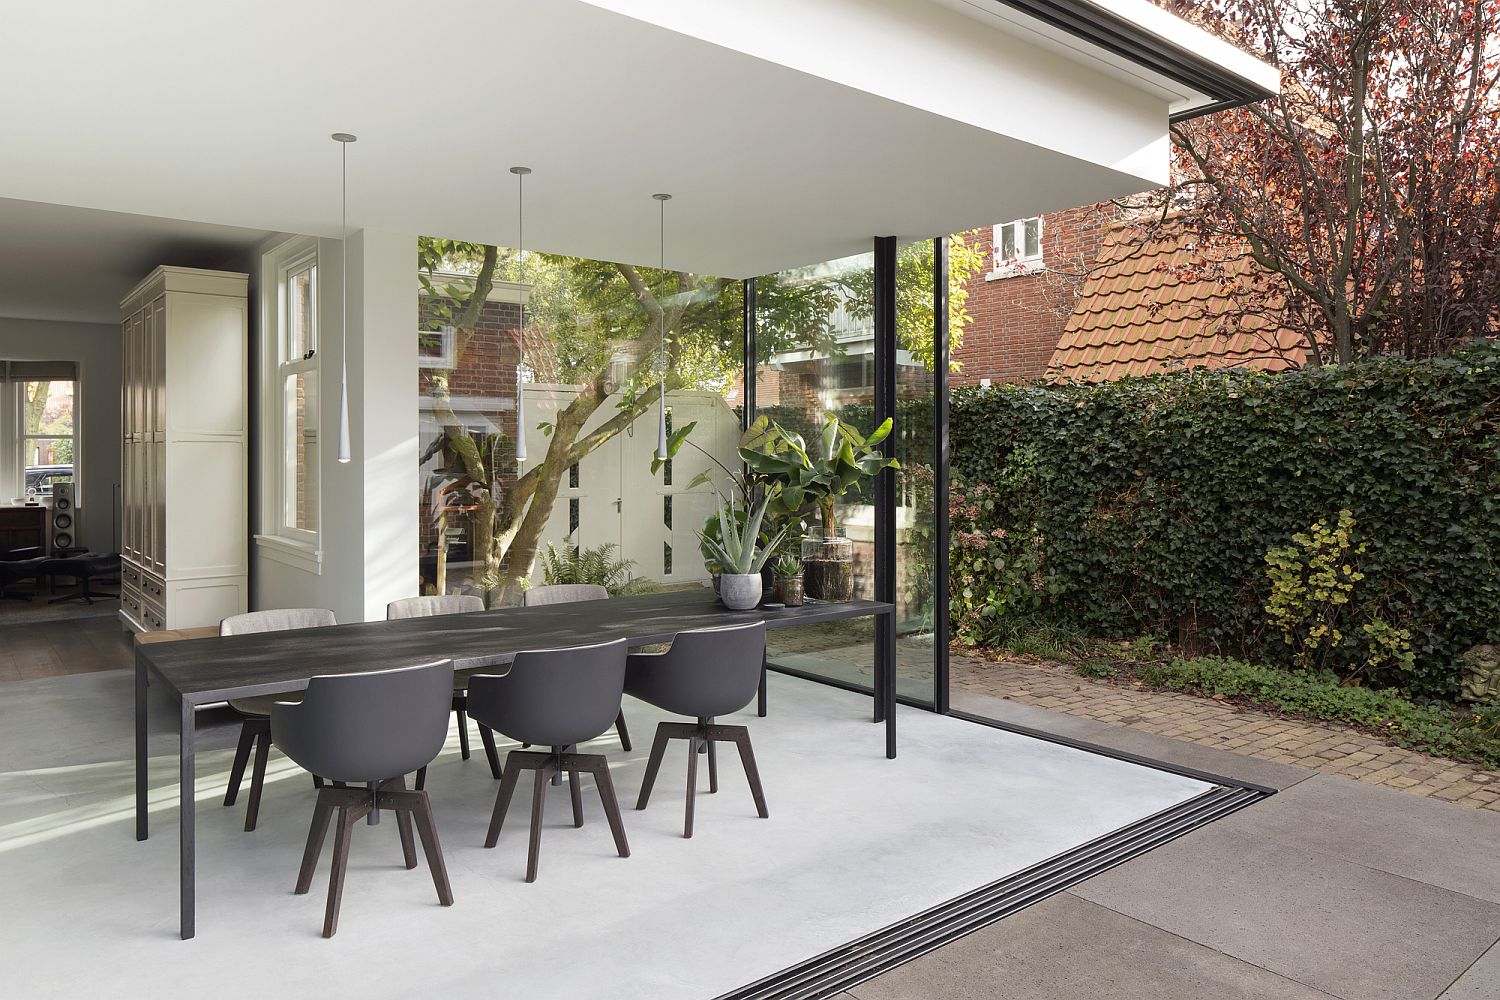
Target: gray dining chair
{"x": 556, "y": 698}
{"x": 255, "y": 713}
{"x": 369, "y": 730}
{"x": 706, "y": 673}
{"x": 571, "y": 593}
{"x": 429, "y": 606}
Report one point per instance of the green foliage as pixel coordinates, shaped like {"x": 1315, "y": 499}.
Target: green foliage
{"x": 1150, "y": 504}
{"x": 597, "y": 566}
{"x": 1313, "y": 603}
{"x": 1096, "y": 668}
{"x": 738, "y": 548}
{"x": 788, "y": 566}
{"x": 801, "y": 478}
{"x": 1320, "y": 695}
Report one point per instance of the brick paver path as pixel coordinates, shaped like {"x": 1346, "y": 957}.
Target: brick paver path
{"x": 1333, "y": 749}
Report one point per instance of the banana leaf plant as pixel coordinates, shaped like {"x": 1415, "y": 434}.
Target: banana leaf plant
{"x": 738, "y": 549}
{"x": 807, "y": 479}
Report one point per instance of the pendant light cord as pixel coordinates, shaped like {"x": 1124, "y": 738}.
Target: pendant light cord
{"x": 344, "y": 453}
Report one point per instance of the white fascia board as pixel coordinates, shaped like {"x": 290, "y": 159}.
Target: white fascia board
{"x": 1188, "y": 37}
{"x": 928, "y": 56}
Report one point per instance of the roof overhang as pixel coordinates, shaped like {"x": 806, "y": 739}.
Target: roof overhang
{"x": 788, "y": 132}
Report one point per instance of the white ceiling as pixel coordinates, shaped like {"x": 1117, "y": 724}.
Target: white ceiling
{"x": 220, "y": 113}
{"x": 76, "y": 264}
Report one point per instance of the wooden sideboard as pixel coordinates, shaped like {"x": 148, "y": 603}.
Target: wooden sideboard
{"x": 23, "y": 527}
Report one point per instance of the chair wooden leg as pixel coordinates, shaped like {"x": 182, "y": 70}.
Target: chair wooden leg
{"x": 623, "y": 731}
{"x": 538, "y": 805}
{"x": 257, "y": 779}
{"x": 502, "y": 801}
{"x": 241, "y": 758}
{"x": 692, "y": 786}
{"x": 752, "y": 773}
{"x": 421, "y": 781}
{"x": 403, "y": 824}
{"x": 606, "y": 787}
{"x": 487, "y": 737}
{"x": 463, "y": 733}
{"x": 340, "y": 867}
{"x": 658, "y": 750}
{"x": 316, "y": 834}
{"x": 713, "y": 767}
{"x": 317, "y": 782}
{"x": 576, "y": 794}
{"x": 427, "y": 829}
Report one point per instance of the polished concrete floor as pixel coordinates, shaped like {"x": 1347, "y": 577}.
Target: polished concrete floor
{"x": 854, "y": 843}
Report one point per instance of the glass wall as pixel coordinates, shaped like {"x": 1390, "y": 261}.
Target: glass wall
{"x": 587, "y": 503}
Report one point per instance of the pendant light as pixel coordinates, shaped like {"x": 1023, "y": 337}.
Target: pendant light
{"x": 344, "y": 139}
{"x": 661, "y": 407}
{"x": 521, "y": 173}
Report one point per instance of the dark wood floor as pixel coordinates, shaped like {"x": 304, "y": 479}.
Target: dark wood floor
{"x": 52, "y": 649}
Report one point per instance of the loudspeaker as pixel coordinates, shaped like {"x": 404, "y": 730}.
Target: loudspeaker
{"x": 64, "y": 515}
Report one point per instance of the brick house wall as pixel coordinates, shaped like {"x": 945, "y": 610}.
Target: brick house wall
{"x": 1017, "y": 319}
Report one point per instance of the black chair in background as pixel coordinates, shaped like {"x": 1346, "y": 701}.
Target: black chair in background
{"x": 429, "y": 606}
{"x": 17, "y": 565}
{"x": 255, "y": 713}
{"x": 572, "y": 593}
{"x": 706, "y": 673}
{"x": 368, "y": 729}
{"x": 557, "y": 698}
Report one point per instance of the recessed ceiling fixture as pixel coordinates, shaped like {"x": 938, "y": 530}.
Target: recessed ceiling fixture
{"x": 661, "y": 408}
{"x": 344, "y": 139}
{"x": 521, "y": 173}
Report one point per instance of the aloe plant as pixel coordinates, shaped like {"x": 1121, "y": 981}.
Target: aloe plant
{"x": 737, "y": 549}
{"x": 788, "y": 565}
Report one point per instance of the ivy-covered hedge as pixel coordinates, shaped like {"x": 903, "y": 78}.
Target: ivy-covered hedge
{"x": 1151, "y": 505}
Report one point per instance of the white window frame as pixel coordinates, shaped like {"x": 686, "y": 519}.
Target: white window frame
{"x": 1022, "y": 262}
{"x": 13, "y": 446}
{"x": 277, "y": 539}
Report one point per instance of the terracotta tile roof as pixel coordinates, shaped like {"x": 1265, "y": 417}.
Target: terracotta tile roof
{"x": 1143, "y": 311}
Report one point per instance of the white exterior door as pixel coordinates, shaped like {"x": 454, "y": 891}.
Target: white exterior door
{"x": 612, "y": 497}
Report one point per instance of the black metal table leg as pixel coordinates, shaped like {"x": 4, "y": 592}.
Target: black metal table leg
{"x": 886, "y": 623}
{"x": 141, "y": 695}
{"x": 186, "y": 845}
{"x": 760, "y": 697}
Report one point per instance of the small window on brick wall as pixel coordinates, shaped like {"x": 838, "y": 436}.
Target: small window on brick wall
{"x": 1018, "y": 245}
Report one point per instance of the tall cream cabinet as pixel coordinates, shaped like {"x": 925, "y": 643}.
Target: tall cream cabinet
{"x": 185, "y": 492}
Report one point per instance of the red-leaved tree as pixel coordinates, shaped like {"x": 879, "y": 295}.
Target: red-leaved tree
{"x": 1367, "y": 191}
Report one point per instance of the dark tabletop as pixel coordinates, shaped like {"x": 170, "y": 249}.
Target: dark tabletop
{"x": 216, "y": 669}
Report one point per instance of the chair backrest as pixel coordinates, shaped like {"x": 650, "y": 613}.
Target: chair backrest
{"x": 706, "y": 672}
{"x": 433, "y": 604}
{"x": 553, "y": 697}
{"x": 370, "y": 726}
{"x": 563, "y": 593}
{"x": 276, "y": 620}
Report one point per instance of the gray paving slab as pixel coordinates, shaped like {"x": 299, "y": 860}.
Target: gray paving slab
{"x": 1481, "y": 981}
{"x": 1253, "y": 770}
{"x": 1342, "y": 927}
{"x": 1447, "y": 845}
{"x": 1069, "y": 947}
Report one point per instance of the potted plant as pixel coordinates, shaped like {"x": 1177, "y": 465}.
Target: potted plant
{"x": 739, "y": 555}
{"x": 789, "y": 580}
{"x": 809, "y": 482}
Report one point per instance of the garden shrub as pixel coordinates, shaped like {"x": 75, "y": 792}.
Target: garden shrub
{"x": 1173, "y": 502}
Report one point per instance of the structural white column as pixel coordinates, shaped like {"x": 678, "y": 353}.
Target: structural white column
{"x": 383, "y": 415}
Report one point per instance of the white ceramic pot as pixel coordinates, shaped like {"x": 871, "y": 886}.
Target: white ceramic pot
{"x": 740, "y": 592}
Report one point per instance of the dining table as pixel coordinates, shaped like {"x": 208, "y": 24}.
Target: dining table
{"x": 195, "y": 674}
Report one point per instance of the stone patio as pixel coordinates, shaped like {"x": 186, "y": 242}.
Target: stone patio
{"x": 1327, "y": 748}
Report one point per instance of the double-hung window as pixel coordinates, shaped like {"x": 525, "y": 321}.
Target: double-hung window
{"x": 1018, "y": 246}
{"x": 293, "y": 392}
{"x": 39, "y": 426}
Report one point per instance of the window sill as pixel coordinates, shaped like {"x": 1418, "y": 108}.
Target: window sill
{"x": 1016, "y": 271}
{"x": 299, "y": 555}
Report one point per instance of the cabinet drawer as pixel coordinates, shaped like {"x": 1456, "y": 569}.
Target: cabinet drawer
{"x": 153, "y": 589}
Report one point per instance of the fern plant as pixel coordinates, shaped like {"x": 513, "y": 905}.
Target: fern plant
{"x": 574, "y": 564}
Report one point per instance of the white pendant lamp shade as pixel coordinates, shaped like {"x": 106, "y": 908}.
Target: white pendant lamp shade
{"x": 344, "y": 454}
{"x": 661, "y": 403}
{"x": 521, "y": 173}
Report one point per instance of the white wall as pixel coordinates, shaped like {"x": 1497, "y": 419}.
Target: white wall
{"x": 368, "y": 511}
{"x": 96, "y": 347}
